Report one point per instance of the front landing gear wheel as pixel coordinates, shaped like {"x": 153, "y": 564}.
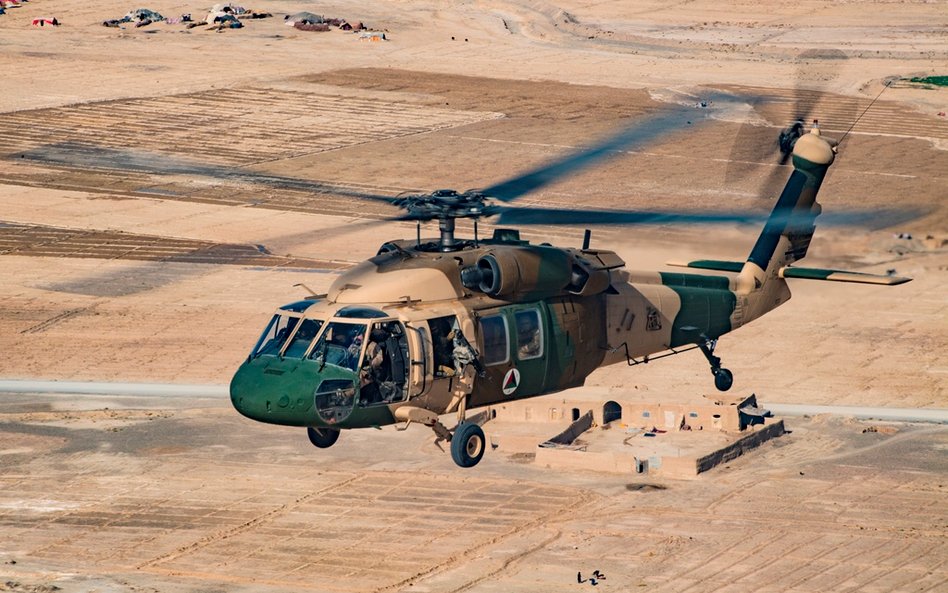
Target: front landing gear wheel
{"x": 723, "y": 379}
{"x": 467, "y": 444}
{"x": 322, "y": 437}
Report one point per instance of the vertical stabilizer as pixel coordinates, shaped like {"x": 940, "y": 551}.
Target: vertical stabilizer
{"x": 787, "y": 233}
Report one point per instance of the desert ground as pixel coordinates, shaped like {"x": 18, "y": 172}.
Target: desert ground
{"x": 164, "y": 189}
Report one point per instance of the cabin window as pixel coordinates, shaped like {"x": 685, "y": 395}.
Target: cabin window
{"x": 529, "y": 336}
{"x": 340, "y": 345}
{"x": 494, "y": 330}
{"x": 273, "y": 338}
{"x": 303, "y": 337}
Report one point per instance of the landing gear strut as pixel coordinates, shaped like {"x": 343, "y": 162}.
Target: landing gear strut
{"x": 467, "y": 441}
{"x": 467, "y": 438}
{"x": 723, "y": 378}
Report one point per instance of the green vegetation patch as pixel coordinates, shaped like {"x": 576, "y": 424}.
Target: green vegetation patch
{"x": 936, "y": 80}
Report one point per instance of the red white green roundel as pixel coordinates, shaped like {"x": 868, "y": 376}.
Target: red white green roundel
{"x": 511, "y": 381}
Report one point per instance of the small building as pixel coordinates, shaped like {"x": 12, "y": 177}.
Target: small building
{"x": 633, "y": 435}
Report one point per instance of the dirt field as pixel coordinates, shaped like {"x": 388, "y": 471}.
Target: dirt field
{"x": 163, "y": 189}
{"x": 119, "y": 494}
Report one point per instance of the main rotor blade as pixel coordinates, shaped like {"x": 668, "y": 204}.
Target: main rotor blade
{"x": 635, "y": 136}
{"x": 80, "y": 155}
{"x": 869, "y": 219}
{"x": 555, "y": 216}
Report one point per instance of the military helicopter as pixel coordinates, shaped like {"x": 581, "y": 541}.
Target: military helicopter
{"x": 438, "y": 326}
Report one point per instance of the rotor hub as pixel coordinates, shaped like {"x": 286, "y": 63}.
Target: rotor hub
{"x": 444, "y": 204}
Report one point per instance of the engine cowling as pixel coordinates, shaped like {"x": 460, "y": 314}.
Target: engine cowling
{"x": 532, "y": 270}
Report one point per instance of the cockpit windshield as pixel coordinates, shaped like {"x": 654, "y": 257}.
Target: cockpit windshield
{"x": 340, "y": 345}
{"x": 303, "y": 337}
{"x": 273, "y": 338}
{"x": 355, "y": 359}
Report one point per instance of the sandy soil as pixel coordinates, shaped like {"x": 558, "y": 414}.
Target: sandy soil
{"x": 162, "y": 190}
{"x": 132, "y": 494}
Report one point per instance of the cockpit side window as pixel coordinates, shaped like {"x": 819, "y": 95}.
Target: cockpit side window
{"x": 273, "y": 338}
{"x": 303, "y": 338}
{"x": 340, "y": 345}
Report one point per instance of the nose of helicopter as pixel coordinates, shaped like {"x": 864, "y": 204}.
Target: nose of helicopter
{"x": 248, "y": 400}
{"x": 250, "y": 404}
{"x": 271, "y": 400}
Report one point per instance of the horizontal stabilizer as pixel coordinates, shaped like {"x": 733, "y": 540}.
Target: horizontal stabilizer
{"x": 841, "y": 276}
{"x": 792, "y": 272}
{"x": 711, "y": 264}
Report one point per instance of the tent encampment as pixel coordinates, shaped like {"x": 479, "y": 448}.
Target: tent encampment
{"x": 305, "y": 18}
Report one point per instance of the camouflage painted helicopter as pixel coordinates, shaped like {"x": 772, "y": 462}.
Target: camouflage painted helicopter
{"x": 432, "y": 327}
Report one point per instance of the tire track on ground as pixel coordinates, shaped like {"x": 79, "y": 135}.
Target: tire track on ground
{"x": 246, "y": 526}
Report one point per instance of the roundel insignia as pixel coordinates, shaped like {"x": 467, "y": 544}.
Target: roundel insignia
{"x": 511, "y": 381}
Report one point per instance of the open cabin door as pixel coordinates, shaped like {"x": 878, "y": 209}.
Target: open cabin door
{"x": 449, "y": 360}
{"x": 419, "y": 359}
{"x": 385, "y": 367}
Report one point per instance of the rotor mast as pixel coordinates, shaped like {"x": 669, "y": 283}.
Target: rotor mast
{"x": 446, "y": 225}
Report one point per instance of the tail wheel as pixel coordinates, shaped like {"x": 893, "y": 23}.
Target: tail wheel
{"x": 723, "y": 379}
{"x": 467, "y": 444}
{"x": 322, "y": 437}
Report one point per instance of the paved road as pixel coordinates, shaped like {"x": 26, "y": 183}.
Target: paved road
{"x": 933, "y": 415}
{"x": 113, "y": 389}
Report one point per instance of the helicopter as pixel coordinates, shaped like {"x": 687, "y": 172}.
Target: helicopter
{"x": 431, "y": 327}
